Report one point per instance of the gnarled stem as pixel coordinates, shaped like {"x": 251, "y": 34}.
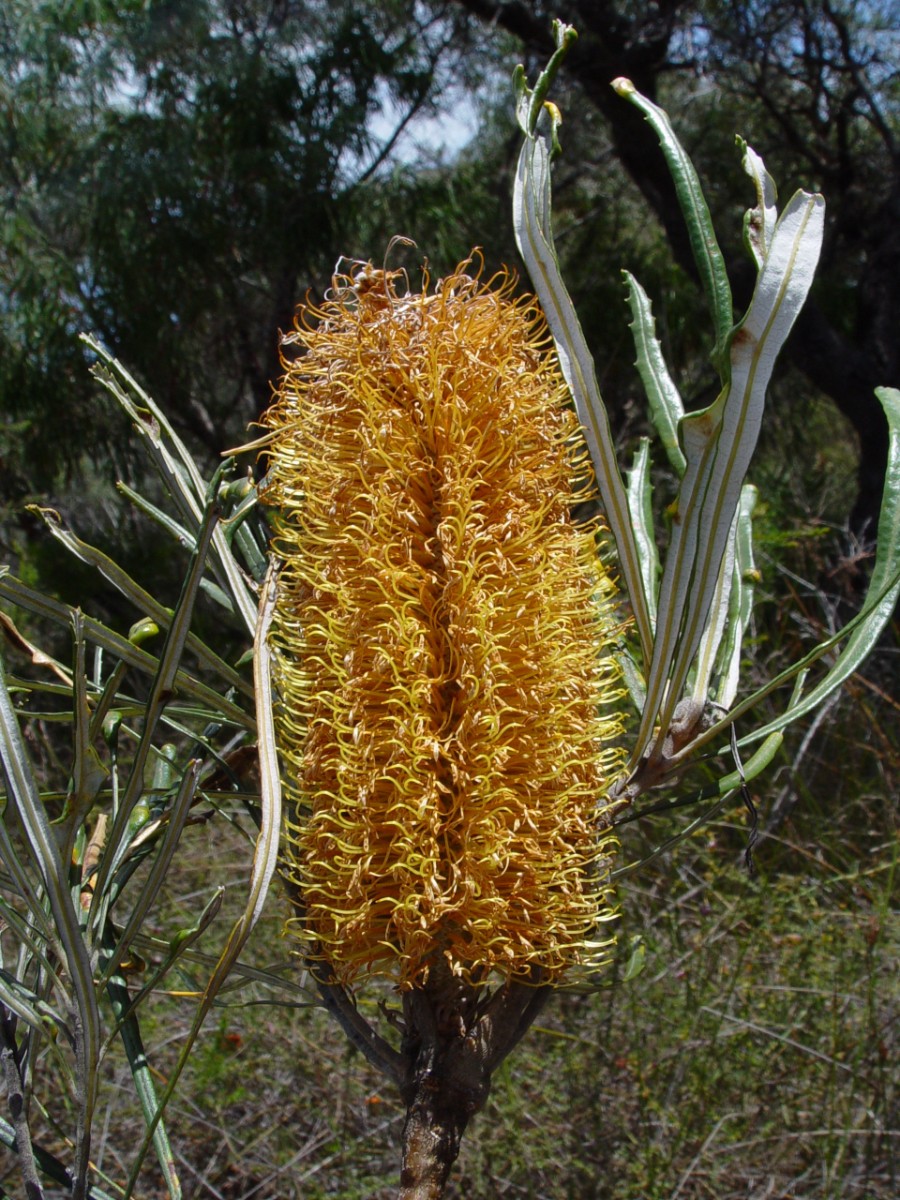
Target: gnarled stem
{"x": 456, "y": 1036}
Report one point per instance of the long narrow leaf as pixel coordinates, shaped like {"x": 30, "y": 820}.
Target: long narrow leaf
{"x": 531, "y": 219}
{"x": 666, "y": 407}
{"x": 88, "y": 772}
{"x": 176, "y": 949}
{"x": 780, "y": 293}
{"x": 529, "y": 102}
{"x": 719, "y": 443}
{"x": 50, "y": 1165}
{"x": 23, "y": 1001}
{"x": 161, "y": 693}
{"x": 139, "y": 596}
{"x": 22, "y": 883}
{"x": 640, "y": 510}
{"x": 694, "y": 209}
{"x": 741, "y": 606}
{"x": 265, "y": 858}
{"x": 156, "y": 514}
{"x": 871, "y": 617}
{"x": 184, "y": 486}
{"x": 23, "y": 790}
{"x": 719, "y": 608}
{"x": 177, "y": 817}
{"x": 193, "y": 492}
{"x": 884, "y": 586}
{"x": 133, "y": 1045}
{"x": 19, "y": 593}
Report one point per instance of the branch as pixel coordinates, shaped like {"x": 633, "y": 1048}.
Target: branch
{"x": 15, "y": 1098}
{"x": 340, "y": 1004}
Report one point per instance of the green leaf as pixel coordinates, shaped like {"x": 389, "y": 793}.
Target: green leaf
{"x": 24, "y": 793}
{"x": 531, "y": 220}
{"x": 25, "y": 1003}
{"x": 704, "y": 244}
{"x": 137, "y": 595}
{"x": 142, "y": 1077}
{"x": 718, "y": 444}
{"x": 22, "y": 885}
{"x": 88, "y": 772}
{"x": 530, "y": 101}
{"x": 175, "y": 819}
{"x": 636, "y": 959}
{"x": 161, "y": 692}
{"x": 177, "y": 947}
{"x": 21, "y": 594}
{"x": 169, "y": 524}
{"x": 741, "y": 603}
{"x": 754, "y": 765}
{"x": 265, "y": 858}
{"x": 883, "y": 591}
{"x": 707, "y": 652}
{"x": 634, "y": 680}
{"x": 50, "y": 1165}
{"x": 178, "y": 470}
{"x": 640, "y": 510}
{"x": 666, "y": 407}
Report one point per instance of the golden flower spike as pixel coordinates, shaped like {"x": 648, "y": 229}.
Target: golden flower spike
{"x": 447, "y": 715}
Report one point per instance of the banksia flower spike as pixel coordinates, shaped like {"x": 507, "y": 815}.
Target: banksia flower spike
{"x": 447, "y": 716}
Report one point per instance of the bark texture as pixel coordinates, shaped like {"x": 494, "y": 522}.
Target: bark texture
{"x": 456, "y": 1036}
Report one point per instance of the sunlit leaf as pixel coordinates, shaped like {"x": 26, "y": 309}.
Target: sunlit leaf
{"x": 531, "y": 218}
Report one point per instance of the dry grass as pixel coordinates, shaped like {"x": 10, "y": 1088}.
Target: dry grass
{"x": 754, "y": 1057}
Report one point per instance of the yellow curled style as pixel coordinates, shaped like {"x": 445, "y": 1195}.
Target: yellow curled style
{"x": 448, "y": 703}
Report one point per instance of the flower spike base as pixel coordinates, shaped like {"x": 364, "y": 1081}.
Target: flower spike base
{"x": 452, "y": 1050}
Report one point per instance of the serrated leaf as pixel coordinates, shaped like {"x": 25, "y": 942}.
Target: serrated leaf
{"x": 666, "y": 407}
{"x": 694, "y": 209}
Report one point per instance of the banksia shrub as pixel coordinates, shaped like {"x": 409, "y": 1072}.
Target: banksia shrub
{"x": 447, "y": 700}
